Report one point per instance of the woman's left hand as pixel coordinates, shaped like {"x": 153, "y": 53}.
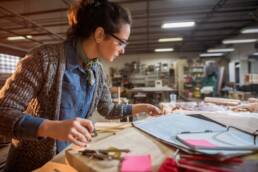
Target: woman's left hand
{"x": 147, "y": 108}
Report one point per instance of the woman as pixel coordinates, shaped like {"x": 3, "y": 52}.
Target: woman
{"x": 45, "y": 102}
{"x": 209, "y": 82}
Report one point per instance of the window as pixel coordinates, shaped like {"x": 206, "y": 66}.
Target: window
{"x": 8, "y": 63}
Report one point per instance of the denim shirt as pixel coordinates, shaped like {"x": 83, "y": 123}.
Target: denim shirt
{"x": 76, "y": 98}
{"x": 77, "y": 94}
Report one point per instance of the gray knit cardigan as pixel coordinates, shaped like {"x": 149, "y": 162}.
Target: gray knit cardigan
{"x": 35, "y": 89}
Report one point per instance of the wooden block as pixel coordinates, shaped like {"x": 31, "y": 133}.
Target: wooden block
{"x": 222, "y": 101}
{"x": 112, "y": 125}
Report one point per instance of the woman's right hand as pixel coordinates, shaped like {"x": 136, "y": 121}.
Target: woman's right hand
{"x": 77, "y": 131}
{"x": 251, "y": 107}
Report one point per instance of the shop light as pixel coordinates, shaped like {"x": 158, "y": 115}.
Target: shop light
{"x": 220, "y": 50}
{"x": 238, "y": 41}
{"x": 164, "y": 49}
{"x": 15, "y": 38}
{"x": 178, "y": 25}
{"x": 251, "y": 30}
{"x": 176, "y": 39}
{"x": 255, "y": 54}
{"x": 211, "y": 54}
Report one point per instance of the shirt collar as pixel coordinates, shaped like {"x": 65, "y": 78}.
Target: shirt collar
{"x": 73, "y": 60}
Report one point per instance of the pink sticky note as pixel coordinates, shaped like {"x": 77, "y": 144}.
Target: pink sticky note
{"x": 199, "y": 142}
{"x": 136, "y": 163}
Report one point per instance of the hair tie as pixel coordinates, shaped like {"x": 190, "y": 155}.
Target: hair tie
{"x": 99, "y": 2}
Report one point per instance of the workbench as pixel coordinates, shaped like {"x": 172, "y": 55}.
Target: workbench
{"x": 119, "y": 135}
{"x": 130, "y": 138}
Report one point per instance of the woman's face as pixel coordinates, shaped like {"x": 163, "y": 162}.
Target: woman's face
{"x": 114, "y": 44}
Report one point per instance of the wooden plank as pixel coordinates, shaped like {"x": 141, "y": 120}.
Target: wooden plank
{"x": 222, "y": 101}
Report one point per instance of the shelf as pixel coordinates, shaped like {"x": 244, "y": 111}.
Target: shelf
{"x": 188, "y": 85}
{"x": 191, "y": 99}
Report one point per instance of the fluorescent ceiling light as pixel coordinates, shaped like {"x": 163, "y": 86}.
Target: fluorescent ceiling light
{"x": 164, "y": 50}
{"x": 14, "y": 38}
{"x": 170, "y": 39}
{"x": 238, "y": 41}
{"x": 220, "y": 50}
{"x": 211, "y": 54}
{"x": 178, "y": 25}
{"x": 255, "y": 54}
{"x": 251, "y": 30}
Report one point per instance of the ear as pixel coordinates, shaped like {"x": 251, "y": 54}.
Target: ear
{"x": 99, "y": 34}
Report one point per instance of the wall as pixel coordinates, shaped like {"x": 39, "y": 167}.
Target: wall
{"x": 148, "y": 59}
{"x": 254, "y": 66}
{"x": 231, "y": 71}
{"x": 241, "y": 53}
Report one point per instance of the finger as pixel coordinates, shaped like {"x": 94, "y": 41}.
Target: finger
{"x": 157, "y": 110}
{"x": 154, "y": 110}
{"x": 80, "y": 137}
{"x": 83, "y": 131}
{"x": 75, "y": 141}
{"x": 88, "y": 124}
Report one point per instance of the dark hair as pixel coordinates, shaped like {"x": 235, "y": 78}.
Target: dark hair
{"x": 212, "y": 69}
{"x": 87, "y": 16}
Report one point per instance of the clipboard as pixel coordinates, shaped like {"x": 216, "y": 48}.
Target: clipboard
{"x": 169, "y": 129}
{"x": 231, "y": 139}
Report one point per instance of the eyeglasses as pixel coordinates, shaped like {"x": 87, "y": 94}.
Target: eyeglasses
{"x": 122, "y": 43}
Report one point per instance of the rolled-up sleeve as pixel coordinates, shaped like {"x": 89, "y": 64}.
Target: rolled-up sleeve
{"x": 27, "y": 127}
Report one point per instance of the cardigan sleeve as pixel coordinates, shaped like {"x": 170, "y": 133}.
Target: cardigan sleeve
{"x": 110, "y": 110}
{"x": 18, "y": 91}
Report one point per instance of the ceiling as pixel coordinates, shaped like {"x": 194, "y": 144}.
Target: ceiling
{"x": 216, "y": 20}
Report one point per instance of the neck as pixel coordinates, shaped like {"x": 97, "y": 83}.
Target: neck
{"x": 89, "y": 48}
